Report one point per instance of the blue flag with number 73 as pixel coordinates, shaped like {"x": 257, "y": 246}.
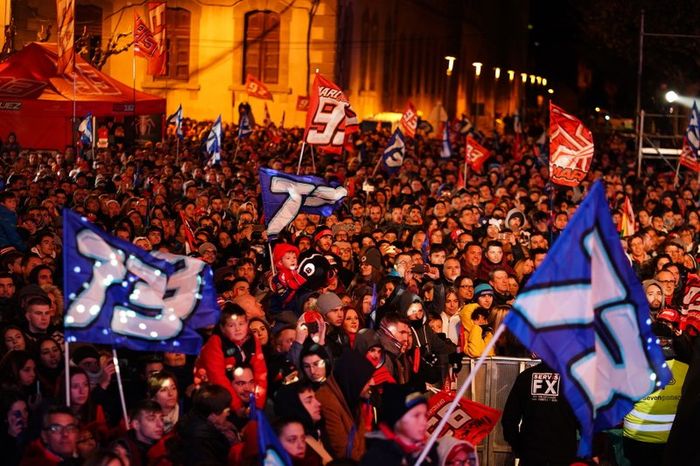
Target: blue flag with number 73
{"x": 121, "y": 295}
{"x": 285, "y": 195}
{"x": 585, "y": 314}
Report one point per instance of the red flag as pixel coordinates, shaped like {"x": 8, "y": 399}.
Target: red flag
{"x": 330, "y": 119}
{"x": 470, "y": 421}
{"x": 156, "y": 17}
{"x": 144, "y": 44}
{"x": 255, "y": 88}
{"x": 570, "y": 148}
{"x": 409, "y": 120}
{"x": 303, "y": 103}
{"x": 65, "y": 11}
{"x": 476, "y": 154}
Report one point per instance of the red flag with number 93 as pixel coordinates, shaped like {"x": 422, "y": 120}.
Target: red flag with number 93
{"x": 329, "y": 119}
{"x": 470, "y": 421}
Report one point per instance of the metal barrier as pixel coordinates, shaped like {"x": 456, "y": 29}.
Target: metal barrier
{"x": 491, "y": 387}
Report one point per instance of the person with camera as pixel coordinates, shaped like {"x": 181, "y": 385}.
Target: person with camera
{"x": 430, "y": 352}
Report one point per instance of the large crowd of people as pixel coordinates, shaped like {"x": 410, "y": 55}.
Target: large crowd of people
{"x": 337, "y": 330}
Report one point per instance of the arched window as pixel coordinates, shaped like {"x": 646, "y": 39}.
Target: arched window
{"x": 261, "y": 46}
{"x": 177, "y": 32}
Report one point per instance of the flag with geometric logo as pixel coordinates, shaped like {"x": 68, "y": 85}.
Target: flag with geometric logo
{"x": 393, "y": 156}
{"x": 570, "y": 148}
{"x": 409, "y": 120}
{"x": 586, "y": 315}
{"x": 476, "y": 154}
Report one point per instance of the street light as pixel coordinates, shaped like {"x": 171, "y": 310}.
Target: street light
{"x": 523, "y": 77}
{"x": 450, "y": 66}
{"x": 532, "y": 79}
{"x": 544, "y": 81}
{"x": 539, "y": 79}
{"x": 497, "y": 73}
{"x": 671, "y": 96}
{"x": 511, "y": 75}
{"x": 550, "y": 91}
{"x": 477, "y": 72}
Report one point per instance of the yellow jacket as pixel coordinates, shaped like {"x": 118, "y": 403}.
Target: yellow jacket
{"x": 472, "y": 334}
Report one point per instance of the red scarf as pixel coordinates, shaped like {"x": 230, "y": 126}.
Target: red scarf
{"x": 405, "y": 447}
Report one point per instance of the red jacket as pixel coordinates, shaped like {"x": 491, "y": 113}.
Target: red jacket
{"x": 219, "y": 357}
{"x": 37, "y": 454}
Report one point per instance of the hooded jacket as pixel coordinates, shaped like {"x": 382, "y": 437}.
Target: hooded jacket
{"x": 428, "y": 342}
{"x": 472, "y": 334}
{"x": 344, "y": 429}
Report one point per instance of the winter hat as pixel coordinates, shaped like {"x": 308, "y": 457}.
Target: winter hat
{"x": 207, "y": 246}
{"x": 352, "y": 371}
{"x": 327, "y": 302}
{"x": 321, "y": 232}
{"x": 483, "y": 289}
{"x": 513, "y": 213}
{"x": 397, "y": 400}
{"x": 85, "y": 352}
{"x": 284, "y": 320}
{"x": 365, "y": 340}
{"x": 448, "y": 446}
{"x": 647, "y": 283}
{"x": 281, "y": 249}
{"x": 373, "y": 257}
{"x": 407, "y": 298}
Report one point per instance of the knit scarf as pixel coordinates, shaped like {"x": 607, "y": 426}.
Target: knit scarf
{"x": 405, "y": 447}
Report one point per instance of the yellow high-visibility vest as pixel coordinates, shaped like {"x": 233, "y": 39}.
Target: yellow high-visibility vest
{"x": 651, "y": 418}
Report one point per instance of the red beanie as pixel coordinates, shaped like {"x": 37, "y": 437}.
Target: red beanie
{"x": 281, "y": 249}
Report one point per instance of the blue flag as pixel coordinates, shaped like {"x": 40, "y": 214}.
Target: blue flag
{"x": 244, "y": 128}
{"x": 285, "y": 195}
{"x": 691, "y": 141}
{"x": 394, "y": 152}
{"x": 446, "y": 149}
{"x": 585, "y": 314}
{"x": 119, "y": 294}
{"x": 85, "y": 129}
{"x": 213, "y": 144}
{"x": 270, "y": 450}
{"x": 176, "y": 119}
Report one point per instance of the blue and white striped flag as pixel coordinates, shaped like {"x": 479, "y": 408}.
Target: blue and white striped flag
{"x": 176, "y": 119}
{"x": 394, "y": 153}
{"x": 214, "y": 142}
{"x": 691, "y": 141}
{"x": 244, "y": 128}
{"x": 446, "y": 150}
{"x": 86, "y": 131}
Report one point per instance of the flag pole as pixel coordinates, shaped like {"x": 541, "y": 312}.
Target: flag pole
{"x": 122, "y": 399}
{"x": 462, "y": 390}
{"x": 376, "y": 166}
{"x": 235, "y": 152}
{"x": 301, "y": 156}
{"x": 313, "y": 160}
{"x": 66, "y": 359}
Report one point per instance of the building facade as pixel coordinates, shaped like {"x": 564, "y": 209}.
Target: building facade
{"x": 382, "y": 53}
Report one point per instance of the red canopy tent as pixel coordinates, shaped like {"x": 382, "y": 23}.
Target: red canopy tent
{"x": 37, "y": 104}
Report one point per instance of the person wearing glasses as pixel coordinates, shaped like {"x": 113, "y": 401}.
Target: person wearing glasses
{"x": 57, "y": 444}
{"x": 455, "y": 452}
